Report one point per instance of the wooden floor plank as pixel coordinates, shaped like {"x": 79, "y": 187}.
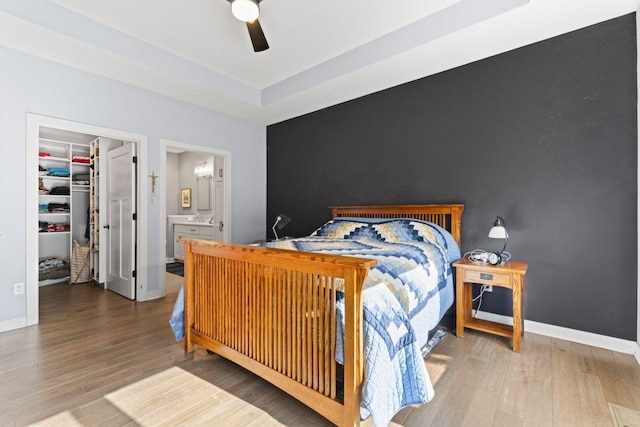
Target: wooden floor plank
{"x": 627, "y": 364}
{"x": 567, "y": 410}
{"x": 538, "y": 411}
{"x": 592, "y": 400}
{"x": 505, "y": 419}
{"x": 481, "y": 410}
{"x": 460, "y": 396}
{"x": 635, "y": 394}
{"x": 584, "y": 358}
{"x": 492, "y": 379}
{"x": 540, "y": 370}
{"x": 513, "y": 393}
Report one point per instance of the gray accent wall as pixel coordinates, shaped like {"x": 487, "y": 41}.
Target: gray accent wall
{"x": 544, "y": 136}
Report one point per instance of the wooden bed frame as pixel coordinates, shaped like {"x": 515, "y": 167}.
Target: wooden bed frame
{"x": 272, "y": 311}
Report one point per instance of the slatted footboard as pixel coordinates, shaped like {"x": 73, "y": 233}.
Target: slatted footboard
{"x": 273, "y": 312}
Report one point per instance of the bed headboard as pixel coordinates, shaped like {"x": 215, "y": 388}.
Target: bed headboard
{"x": 447, "y": 216}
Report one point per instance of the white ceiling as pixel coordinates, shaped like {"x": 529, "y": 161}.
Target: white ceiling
{"x": 322, "y": 52}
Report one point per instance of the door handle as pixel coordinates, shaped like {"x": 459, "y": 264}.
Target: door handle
{"x": 106, "y": 226}
{"x": 220, "y": 226}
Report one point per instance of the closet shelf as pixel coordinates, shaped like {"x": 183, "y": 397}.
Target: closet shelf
{"x": 54, "y": 159}
{"x": 61, "y": 178}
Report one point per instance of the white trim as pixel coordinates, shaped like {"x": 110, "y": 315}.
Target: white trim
{"x": 162, "y": 199}
{"x": 31, "y": 218}
{"x": 34, "y": 122}
{"x": 142, "y": 268}
{"x": 582, "y": 337}
{"x": 17, "y": 323}
{"x": 637, "y": 187}
{"x": 160, "y": 293}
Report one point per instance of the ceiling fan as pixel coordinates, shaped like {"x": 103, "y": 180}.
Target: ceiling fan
{"x": 248, "y": 11}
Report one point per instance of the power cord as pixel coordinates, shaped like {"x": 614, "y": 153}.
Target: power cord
{"x": 480, "y": 256}
{"x": 483, "y": 289}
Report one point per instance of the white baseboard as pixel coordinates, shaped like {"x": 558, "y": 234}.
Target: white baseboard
{"x": 11, "y": 324}
{"x": 155, "y": 295}
{"x": 582, "y": 337}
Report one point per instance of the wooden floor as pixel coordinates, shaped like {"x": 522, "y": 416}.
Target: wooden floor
{"x": 99, "y": 359}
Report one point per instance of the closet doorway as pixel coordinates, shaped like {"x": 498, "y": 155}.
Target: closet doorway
{"x": 99, "y": 170}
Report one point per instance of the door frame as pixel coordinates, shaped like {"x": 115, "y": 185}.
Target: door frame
{"x": 162, "y": 199}
{"x": 34, "y": 123}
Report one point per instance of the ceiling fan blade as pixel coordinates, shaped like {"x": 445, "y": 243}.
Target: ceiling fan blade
{"x": 258, "y": 39}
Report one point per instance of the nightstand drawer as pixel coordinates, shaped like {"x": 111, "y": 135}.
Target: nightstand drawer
{"x": 481, "y": 277}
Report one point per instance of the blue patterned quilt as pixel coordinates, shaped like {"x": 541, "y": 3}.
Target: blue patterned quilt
{"x": 414, "y": 265}
{"x": 413, "y": 268}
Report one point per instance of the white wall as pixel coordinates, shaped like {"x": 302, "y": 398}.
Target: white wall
{"x": 187, "y": 179}
{"x": 29, "y": 84}
{"x": 173, "y": 183}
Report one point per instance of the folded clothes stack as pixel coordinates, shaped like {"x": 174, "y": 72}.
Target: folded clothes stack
{"x": 80, "y": 179}
{"x": 80, "y": 159}
{"x": 57, "y": 172}
{"x": 58, "y": 207}
{"x": 53, "y": 268}
{"x": 62, "y": 190}
{"x": 46, "y": 227}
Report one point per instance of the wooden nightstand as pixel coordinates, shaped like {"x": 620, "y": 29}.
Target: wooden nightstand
{"x": 508, "y": 275}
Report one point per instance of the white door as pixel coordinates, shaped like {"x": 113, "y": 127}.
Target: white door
{"x": 218, "y": 211}
{"x": 218, "y": 199}
{"x": 121, "y": 227}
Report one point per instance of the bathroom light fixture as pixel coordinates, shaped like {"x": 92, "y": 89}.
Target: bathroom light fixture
{"x": 202, "y": 169}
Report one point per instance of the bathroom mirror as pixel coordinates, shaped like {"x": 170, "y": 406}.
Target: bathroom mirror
{"x": 204, "y": 192}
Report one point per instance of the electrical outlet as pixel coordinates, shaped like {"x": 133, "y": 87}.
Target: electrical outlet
{"x": 18, "y": 288}
{"x": 487, "y": 288}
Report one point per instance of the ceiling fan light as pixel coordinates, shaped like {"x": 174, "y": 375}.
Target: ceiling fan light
{"x": 245, "y": 10}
